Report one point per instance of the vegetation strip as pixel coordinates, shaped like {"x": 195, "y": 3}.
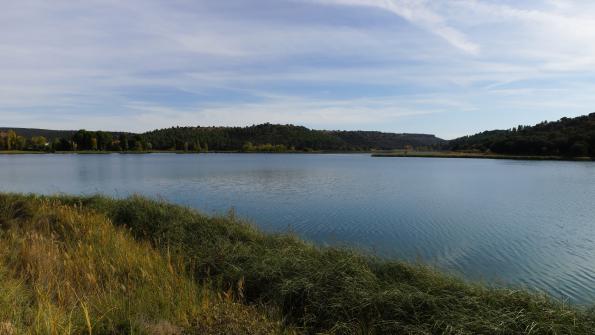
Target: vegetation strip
{"x": 443, "y": 154}
{"x": 78, "y": 264}
{"x": 258, "y": 138}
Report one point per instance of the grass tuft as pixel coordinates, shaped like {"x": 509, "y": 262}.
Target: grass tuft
{"x": 69, "y": 270}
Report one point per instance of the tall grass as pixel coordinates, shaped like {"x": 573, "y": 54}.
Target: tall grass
{"x": 68, "y": 270}
{"x": 320, "y": 290}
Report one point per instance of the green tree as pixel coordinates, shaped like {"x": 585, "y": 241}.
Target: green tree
{"x": 84, "y": 140}
{"x": 124, "y": 142}
{"x": 248, "y": 147}
{"x": 104, "y": 140}
{"x": 11, "y": 140}
{"x": 21, "y": 143}
{"x": 38, "y": 143}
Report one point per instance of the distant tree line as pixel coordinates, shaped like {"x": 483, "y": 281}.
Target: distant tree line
{"x": 574, "y": 137}
{"x": 271, "y": 137}
{"x": 82, "y": 140}
{"x": 258, "y": 138}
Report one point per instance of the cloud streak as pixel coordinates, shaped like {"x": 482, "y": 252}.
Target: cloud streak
{"x": 418, "y": 13}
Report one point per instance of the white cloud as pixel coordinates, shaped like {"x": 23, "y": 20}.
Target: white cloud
{"x": 324, "y": 63}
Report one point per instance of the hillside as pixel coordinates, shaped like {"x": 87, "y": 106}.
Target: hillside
{"x": 387, "y": 141}
{"x": 104, "y": 266}
{"x": 574, "y": 137}
{"x": 262, "y": 137}
{"x": 47, "y": 133}
{"x": 288, "y": 136}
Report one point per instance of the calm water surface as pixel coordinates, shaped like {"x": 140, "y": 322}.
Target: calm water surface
{"x": 526, "y": 223}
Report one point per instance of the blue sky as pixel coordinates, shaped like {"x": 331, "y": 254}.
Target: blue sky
{"x": 448, "y": 68}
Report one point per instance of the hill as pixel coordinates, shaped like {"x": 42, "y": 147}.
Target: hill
{"x": 573, "y": 137}
{"x": 286, "y": 136}
{"x": 262, "y": 137}
{"x": 387, "y": 141}
{"x": 49, "y": 134}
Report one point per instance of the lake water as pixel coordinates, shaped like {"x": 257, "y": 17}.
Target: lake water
{"x": 526, "y": 223}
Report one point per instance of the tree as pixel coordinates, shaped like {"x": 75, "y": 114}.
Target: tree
{"x": 38, "y": 143}
{"x": 84, "y": 140}
{"x": 579, "y": 149}
{"x": 62, "y": 144}
{"x": 248, "y": 147}
{"x": 124, "y": 142}
{"x": 104, "y": 140}
{"x": 11, "y": 140}
{"x": 21, "y": 143}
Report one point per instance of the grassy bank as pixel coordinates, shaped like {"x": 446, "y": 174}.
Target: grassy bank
{"x": 137, "y": 263}
{"x": 68, "y": 270}
{"x": 457, "y": 154}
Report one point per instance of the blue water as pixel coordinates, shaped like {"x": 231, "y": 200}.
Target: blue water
{"x": 525, "y": 223}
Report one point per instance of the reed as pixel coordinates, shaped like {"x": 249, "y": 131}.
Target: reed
{"x": 69, "y": 270}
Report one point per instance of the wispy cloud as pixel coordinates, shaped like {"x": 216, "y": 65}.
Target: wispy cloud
{"x": 420, "y": 14}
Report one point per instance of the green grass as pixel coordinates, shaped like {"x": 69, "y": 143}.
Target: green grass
{"x": 280, "y": 277}
{"x": 68, "y": 270}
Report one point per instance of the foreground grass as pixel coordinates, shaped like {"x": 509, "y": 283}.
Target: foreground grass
{"x": 316, "y": 290}
{"x": 67, "y": 270}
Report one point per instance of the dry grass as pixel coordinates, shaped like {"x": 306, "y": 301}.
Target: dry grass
{"x": 75, "y": 265}
{"x": 66, "y": 270}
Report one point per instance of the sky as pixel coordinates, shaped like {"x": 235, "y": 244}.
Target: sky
{"x": 444, "y": 67}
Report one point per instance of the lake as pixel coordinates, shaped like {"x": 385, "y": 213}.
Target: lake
{"x": 526, "y": 223}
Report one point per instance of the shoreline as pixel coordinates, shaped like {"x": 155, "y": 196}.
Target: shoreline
{"x": 180, "y": 152}
{"x": 447, "y": 154}
{"x": 378, "y": 154}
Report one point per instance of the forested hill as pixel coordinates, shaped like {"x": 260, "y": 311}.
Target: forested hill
{"x": 573, "y": 137}
{"x": 49, "y": 134}
{"x": 263, "y": 137}
{"x": 268, "y": 136}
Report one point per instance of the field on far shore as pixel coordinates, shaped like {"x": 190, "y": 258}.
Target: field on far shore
{"x": 460, "y": 154}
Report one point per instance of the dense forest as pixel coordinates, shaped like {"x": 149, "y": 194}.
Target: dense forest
{"x": 282, "y": 137}
{"x": 64, "y": 140}
{"x": 574, "y": 137}
{"x": 261, "y": 138}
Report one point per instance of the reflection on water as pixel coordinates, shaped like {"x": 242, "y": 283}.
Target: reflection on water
{"x": 527, "y": 223}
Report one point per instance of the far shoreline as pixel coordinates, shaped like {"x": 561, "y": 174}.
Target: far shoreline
{"x": 454, "y": 154}
{"x": 373, "y": 153}
{"x": 180, "y": 152}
